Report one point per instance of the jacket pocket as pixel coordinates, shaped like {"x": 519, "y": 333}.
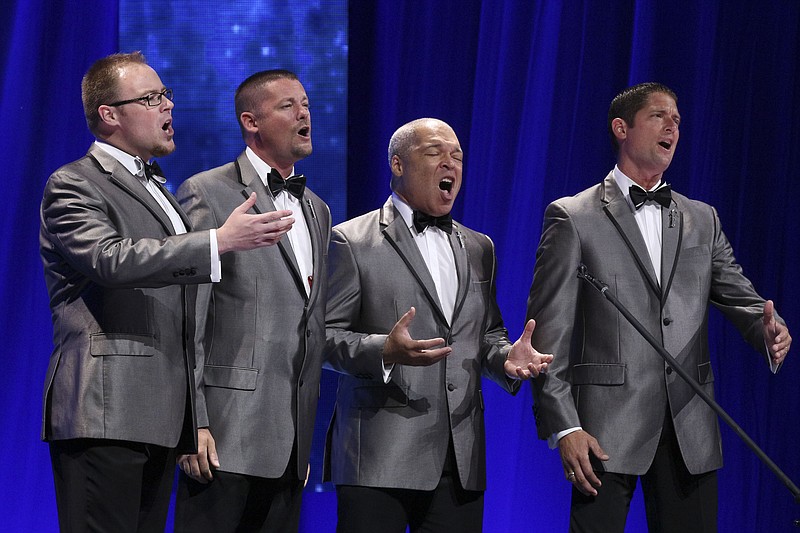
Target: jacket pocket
{"x": 598, "y": 374}
{"x": 704, "y": 373}
{"x": 230, "y": 377}
{"x": 121, "y": 344}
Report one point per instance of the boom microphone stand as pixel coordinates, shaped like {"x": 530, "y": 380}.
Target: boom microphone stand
{"x": 583, "y": 273}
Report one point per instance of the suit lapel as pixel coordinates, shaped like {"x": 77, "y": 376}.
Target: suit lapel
{"x": 317, "y": 253}
{"x": 264, "y": 204}
{"x": 129, "y": 183}
{"x": 399, "y": 236}
{"x": 671, "y": 237}
{"x": 459, "y": 247}
{"x": 618, "y": 210}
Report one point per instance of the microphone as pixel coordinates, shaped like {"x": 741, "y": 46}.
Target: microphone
{"x": 583, "y": 273}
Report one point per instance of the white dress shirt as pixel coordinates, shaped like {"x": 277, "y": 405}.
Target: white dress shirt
{"x": 299, "y": 237}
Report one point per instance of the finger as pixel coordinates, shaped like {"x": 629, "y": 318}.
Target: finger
{"x": 212, "y": 453}
{"x": 426, "y": 344}
{"x": 406, "y": 319}
{"x": 279, "y": 227}
{"x": 769, "y": 313}
{"x": 598, "y": 451}
{"x": 528, "y": 331}
{"x": 272, "y": 216}
{"x": 193, "y": 469}
{"x": 437, "y": 353}
{"x": 247, "y": 204}
{"x": 526, "y": 374}
{"x": 534, "y": 369}
{"x": 429, "y": 357}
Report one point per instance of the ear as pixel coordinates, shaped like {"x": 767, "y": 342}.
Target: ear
{"x": 248, "y": 121}
{"x": 108, "y": 114}
{"x": 619, "y": 129}
{"x": 396, "y": 165}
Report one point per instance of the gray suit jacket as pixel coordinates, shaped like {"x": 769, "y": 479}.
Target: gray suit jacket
{"x": 605, "y": 377}
{"x": 396, "y": 434}
{"x": 260, "y": 337}
{"x": 116, "y": 275}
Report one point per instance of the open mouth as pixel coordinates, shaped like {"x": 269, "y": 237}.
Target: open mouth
{"x": 665, "y": 144}
{"x": 446, "y": 184}
{"x": 305, "y": 131}
{"x": 167, "y": 125}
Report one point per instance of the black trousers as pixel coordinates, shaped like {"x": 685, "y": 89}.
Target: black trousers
{"x": 447, "y": 509}
{"x": 239, "y": 503}
{"x": 107, "y": 485}
{"x": 675, "y": 500}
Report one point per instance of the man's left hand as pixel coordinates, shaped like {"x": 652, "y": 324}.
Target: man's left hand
{"x": 523, "y": 361}
{"x": 776, "y": 334}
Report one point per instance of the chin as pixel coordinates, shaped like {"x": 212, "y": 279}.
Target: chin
{"x": 161, "y": 151}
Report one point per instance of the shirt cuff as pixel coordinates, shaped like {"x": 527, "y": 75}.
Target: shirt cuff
{"x": 552, "y": 440}
{"x": 216, "y": 264}
{"x": 387, "y": 372}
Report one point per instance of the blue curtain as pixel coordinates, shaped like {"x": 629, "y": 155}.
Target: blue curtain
{"x": 526, "y": 85}
{"x": 46, "y": 48}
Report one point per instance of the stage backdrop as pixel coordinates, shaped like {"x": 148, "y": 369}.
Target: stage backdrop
{"x": 526, "y": 85}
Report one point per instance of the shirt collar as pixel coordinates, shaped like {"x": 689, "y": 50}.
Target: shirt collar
{"x": 624, "y": 183}
{"x": 405, "y": 211}
{"x": 133, "y": 164}
{"x": 262, "y": 168}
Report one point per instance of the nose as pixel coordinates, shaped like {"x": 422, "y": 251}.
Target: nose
{"x": 166, "y": 103}
{"x": 303, "y": 112}
{"x": 449, "y": 162}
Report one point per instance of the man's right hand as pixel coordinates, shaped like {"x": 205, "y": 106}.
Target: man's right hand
{"x": 575, "y": 448}
{"x": 198, "y": 466}
{"x": 401, "y": 349}
{"x": 243, "y": 231}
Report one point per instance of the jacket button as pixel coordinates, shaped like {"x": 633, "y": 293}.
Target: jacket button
{"x": 451, "y": 387}
{"x": 669, "y": 370}
{"x": 667, "y": 321}
{"x": 308, "y": 333}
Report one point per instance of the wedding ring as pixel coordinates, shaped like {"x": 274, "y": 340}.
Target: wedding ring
{"x": 570, "y": 476}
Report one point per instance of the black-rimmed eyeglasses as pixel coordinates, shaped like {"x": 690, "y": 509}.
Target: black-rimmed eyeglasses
{"x": 151, "y": 100}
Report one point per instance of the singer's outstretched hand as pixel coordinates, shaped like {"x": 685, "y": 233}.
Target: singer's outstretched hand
{"x": 776, "y": 335}
{"x": 523, "y": 361}
{"x": 400, "y": 348}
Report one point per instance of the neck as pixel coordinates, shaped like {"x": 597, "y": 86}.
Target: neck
{"x": 645, "y": 180}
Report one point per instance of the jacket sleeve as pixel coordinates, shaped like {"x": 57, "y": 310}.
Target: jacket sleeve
{"x": 348, "y": 350}
{"x": 553, "y": 303}
{"x": 82, "y": 226}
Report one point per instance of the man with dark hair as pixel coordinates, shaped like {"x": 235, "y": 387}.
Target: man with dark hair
{"x": 261, "y": 330}
{"x": 666, "y": 259}
{"x": 119, "y": 266}
{"x": 413, "y": 326}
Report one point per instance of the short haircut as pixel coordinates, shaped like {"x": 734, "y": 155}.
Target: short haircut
{"x": 101, "y": 83}
{"x": 627, "y": 103}
{"x": 247, "y": 97}
{"x": 403, "y": 140}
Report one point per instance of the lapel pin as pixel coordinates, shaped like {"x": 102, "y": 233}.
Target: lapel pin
{"x": 673, "y": 214}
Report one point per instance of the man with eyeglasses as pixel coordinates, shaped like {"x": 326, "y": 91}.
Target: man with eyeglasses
{"x": 121, "y": 265}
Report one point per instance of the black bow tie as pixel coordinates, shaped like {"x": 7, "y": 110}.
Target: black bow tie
{"x": 424, "y": 220}
{"x": 662, "y": 195}
{"x": 295, "y": 185}
{"x": 152, "y": 171}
